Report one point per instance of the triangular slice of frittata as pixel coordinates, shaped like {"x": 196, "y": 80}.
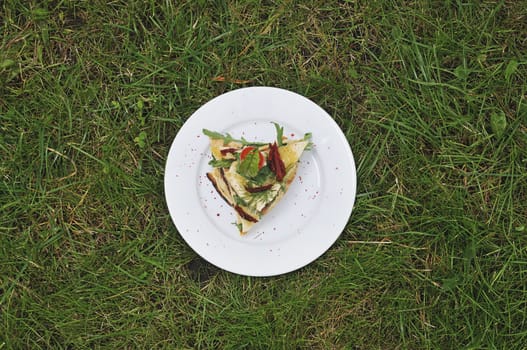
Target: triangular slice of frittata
{"x": 253, "y": 177}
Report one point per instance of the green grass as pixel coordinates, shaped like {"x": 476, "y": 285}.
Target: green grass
{"x": 430, "y": 94}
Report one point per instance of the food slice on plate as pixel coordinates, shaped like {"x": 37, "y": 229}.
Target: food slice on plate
{"x": 253, "y": 177}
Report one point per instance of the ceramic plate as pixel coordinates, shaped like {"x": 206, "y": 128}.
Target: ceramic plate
{"x": 311, "y": 215}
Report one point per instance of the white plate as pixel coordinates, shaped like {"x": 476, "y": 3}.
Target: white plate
{"x": 311, "y": 215}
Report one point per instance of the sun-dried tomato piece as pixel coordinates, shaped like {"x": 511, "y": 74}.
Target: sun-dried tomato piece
{"x": 259, "y": 188}
{"x": 244, "y": 215}
{"x": 275, "y": 162}
{"x": 226, "y": 151}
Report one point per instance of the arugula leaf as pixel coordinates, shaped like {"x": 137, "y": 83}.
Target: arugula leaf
{"x": 221, "y": 163}
{"x": 262, "y": 175}
{"x": 213, "y": 134}
{"x": 228, "y": 138}
{"x": 219, "y": 136}
{"x": 279, "y": 133}
{"x": 239, "y": 226}
{"x": 239, "y": 200}
{"x": 259, "y": 200}
{"x": 249, "y": 165}
{"x": 307, "y": 137}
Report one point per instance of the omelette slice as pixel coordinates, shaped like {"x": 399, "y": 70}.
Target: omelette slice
{"x": 253, "y": 177}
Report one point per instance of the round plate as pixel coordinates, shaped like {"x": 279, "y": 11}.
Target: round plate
{"x": 311, "y": 215}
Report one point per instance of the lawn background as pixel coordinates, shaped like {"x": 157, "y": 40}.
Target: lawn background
{"x": 430, "y": 94}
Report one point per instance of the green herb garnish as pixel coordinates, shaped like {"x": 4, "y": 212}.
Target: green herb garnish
{"x": 228, "y": 138}
{"x": 307, "y": 137}
{"x": 264, "y": 173}
{"x": 221, "y": 163}
{"x": 262, "y": 198}
{"x": 279, "y": 133}
{"x": 239, "y": 200}
{"x": 249, "y": 165}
